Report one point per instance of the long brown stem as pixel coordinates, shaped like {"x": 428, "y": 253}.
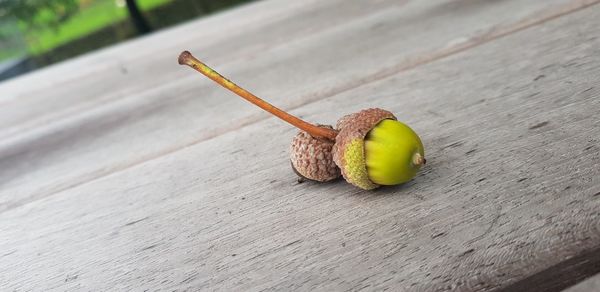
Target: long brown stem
{"x": 186, "y": 58}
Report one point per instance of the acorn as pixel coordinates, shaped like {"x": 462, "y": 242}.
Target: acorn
{"x": 312, "y": 158}
{"x": 369, "y": 148}
{"x": 372, "y": 148}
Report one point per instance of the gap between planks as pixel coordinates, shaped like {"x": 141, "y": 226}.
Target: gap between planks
{"x": 492, "y": 34}
{"x": 560, "y": 276}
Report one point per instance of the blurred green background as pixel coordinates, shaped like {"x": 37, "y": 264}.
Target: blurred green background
{"x": 42, "y": 32}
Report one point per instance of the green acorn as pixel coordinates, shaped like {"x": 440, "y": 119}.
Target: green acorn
{"x": 370, "y": 148}
{"x": 373, "y": 149}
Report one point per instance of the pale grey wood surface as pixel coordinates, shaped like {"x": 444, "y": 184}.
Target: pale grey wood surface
{"x": 506, "y": 102}
{"x": 118, "y": 125}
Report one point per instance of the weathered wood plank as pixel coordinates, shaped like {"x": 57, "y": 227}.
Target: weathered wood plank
{"x": 511, "y": 189}
{"x": 126, "y": 70}
{"x": 79, "y": 147}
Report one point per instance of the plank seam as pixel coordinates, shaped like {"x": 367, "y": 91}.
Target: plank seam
{"x": 561, "y": 275}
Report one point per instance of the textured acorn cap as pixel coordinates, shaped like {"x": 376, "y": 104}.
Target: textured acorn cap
{"x": 312, "y": 158}
{"x": 349, "y": 149}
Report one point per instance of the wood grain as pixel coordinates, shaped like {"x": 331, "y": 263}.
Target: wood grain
{"x": 511, "y": 190}
{"x": 92, "y": 138}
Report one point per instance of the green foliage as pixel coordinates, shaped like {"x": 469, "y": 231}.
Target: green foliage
{"x": 91, "y": 17}
{"x": 35, "y": 14}
{"x": 36, "y": 27}
{"x": 46, "y": 24}
{"x": 21, "y": 17}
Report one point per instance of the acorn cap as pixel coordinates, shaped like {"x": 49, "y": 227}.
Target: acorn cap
{"x": 349, "y": 149}
{"x": 312, "y": 158}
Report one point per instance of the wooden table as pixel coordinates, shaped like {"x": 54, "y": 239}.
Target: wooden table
{"x": 121, "y": 170}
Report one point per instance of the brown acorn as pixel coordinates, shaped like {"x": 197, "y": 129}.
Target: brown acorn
{"x": 371, "y": 148}
{"x": 312, "y": 157}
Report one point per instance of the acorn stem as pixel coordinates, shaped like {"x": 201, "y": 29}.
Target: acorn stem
{"x": 186, "y": 58}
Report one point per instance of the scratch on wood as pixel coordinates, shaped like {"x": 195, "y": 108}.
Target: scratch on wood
{"x": 149, "y": 247}
{"x": 539, "y": 125}
{"x": 490, "y": 227}
{"x": 292, "y": 243}
{"x": 396, "y": 250}
{"x": 466, "y": 252}
{"x": 275, "y": 249}
{"x": 136, "y": 221}
{"x": 9, "y": 253}
{"x": 453, "y": 145}
{"x": 71, "y": 278}
{"x": 189, "y": 279}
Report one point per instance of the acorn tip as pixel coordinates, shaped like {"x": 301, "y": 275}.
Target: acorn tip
{"x": 418, "y": 159}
